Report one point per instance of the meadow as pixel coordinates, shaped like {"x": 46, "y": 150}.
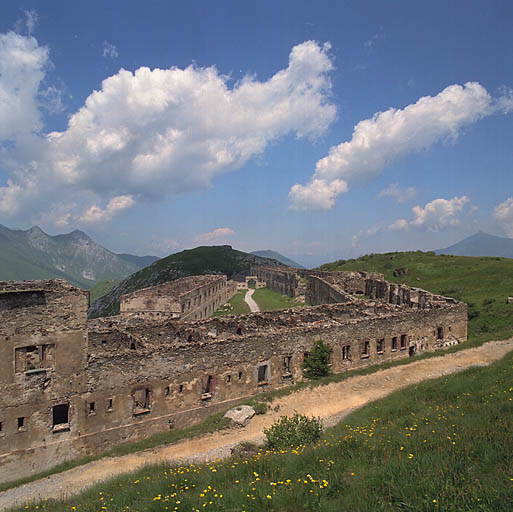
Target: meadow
{"x": 444, "y": 444}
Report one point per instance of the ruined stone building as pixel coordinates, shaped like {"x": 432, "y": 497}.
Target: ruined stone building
{"x": 188, "y": 298}
{"x": 72, "y": 387}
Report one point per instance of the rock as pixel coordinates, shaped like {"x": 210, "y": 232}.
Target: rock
{"x": 240, "y": 415}
{"x": 509, "y": 300}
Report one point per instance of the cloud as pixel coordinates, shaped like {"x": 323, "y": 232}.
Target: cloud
{"x": 503, "y": 214}
{"x": 216, "y": 234}
{"x": 396, "y": 132}
{"x": 401, "y": 195}
{"x": 319, "y": 195}
{"x": 22, "y": 68}
{"x": 31, "y": 19}
{"x": 109, "y": 50}
{"x": 152, "y": 134}
{"x": 434, "y": 216}
{"x": 116, "y": 205}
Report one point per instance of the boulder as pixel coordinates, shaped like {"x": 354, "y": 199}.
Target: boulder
{"x": 240, "y": 415}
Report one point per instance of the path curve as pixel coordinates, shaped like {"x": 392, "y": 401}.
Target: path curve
{"x": 253, "y": 306}
{"x": 331, "y": 402}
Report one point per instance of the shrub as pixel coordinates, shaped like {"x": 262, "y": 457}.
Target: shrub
{"x": 317, "y": 362}
{"x": 293, "y": 431}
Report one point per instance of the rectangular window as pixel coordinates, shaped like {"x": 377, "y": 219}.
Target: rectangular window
{"x": 180, "y": 388}
{"x": 366, "y": 349}
{"x": 286, "y": 368}
{"x": 263, "y": 374}
{"x": 60, "y": 417}
{"x": 142, "y": 401}
{"x": 110, "y": 403}
{"x": 21, "y": 423}
{"x": 228, "y": 378}
{"x": 92, "y": 407}
{"x": 440, "y": 333}
{"x": 394, "y": 343}
{"x": 206, "y": 388}
{"x": 380, "y": 345}
{"x": 403, "y": 340}
{"x": 167, "y": 390}
{"x": 346, "y": 353}
{"x": 34, "y": 358}
{"x": 1, "y": 426}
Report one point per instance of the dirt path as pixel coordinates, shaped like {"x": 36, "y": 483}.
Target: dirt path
{"x": 253, "y": 306}
{"x": 331, "y": 402}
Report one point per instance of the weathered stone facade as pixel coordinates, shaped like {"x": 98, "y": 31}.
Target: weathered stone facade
{"x": 188, "y": 298}
{"x": 80, "y": 388}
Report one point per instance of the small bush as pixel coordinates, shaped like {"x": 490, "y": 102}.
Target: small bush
{"x": 290, "y": 432}
{"x": 317, "y": 362}
{"x": 259, "y": 407}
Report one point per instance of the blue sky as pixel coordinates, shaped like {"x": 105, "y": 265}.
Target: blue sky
{"x": 322, "y": 130}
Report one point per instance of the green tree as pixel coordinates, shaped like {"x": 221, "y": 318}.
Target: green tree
{"x": 317, "y": 362}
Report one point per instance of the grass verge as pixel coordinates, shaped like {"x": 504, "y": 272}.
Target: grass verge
{"x": 269, "y": 300}
{"x": 440, "y": 445}
{"x": 237, "y": 303}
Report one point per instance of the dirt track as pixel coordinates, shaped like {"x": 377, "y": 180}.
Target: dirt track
{"x": 331, "y": 402}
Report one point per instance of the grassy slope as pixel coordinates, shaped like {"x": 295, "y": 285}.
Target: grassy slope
{"x": 268, "y": 300}
{"x": 239, "y": 306}
{"x": 483, "y": 283}
{"x": 441, "y": 445}
{"x": 102, "y": 288}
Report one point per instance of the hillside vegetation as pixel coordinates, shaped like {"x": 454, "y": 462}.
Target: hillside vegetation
{"x": 444, "y": 444}
{"x": 484, "y": 283}
{"x": 220, "y": 259}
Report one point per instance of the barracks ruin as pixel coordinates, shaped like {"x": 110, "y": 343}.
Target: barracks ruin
{"x": 73, "y": 387}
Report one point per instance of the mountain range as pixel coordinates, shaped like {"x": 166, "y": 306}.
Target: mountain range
{"x": 278, "y": 257}
{"x": 481, "y": 244}
{"x": 221, "y": 259}
{"x": 33, "y": 254}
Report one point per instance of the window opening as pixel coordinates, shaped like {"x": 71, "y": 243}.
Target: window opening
{"x": 228, "y": 378}
{"x": 240, "y": 375}
{"x": 167, "y": 391}
{"x": 92, "y": 407}
{"x": 142, "y": 401}
{"x": 403, "y": 340}
{"x": 366, "y": 349}
{"x": 346, "y": 353}
{"x": 440, "y": 333}
{"x": 394, "y": 343}
{"x": 287, "y": 366}
{"x": 180, "y": 389}
{"x": 60, "y": 415}
{"x": 109, "y": 404}
{"x": 21, "y": 423}
{"x": 380, "y": 345}
{"x": 263, "y": 374}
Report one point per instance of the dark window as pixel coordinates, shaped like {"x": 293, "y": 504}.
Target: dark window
{"x": 132, "y": 346}
{"x": 240, "y": 375}
{"x": 394, "y": 343}
{"x": 263, "y": 374}
{"x": 403, "y": 340}
{"x": 180, "y": 389}
{"x": 365, "y": 348}
{"x": 228, "y": 378}
{"x": 92, "y": 406}
{"x": 109, "y": 404}
{"x": 346, "y": 352}
{"x": 239, "y": 331}
{"x": 60, "y": 414}
{"x": 167, "y": 390}
{"x": 380, "y": 345}
{"x": 287, "y": 365}
{"x": 21, "y": 423}
{"x": 1, "y": 426}
{"x": 440, "y": 333}
{"x": 207, "y": 385}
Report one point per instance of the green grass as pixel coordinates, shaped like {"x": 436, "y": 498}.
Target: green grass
{"x": 100, "y": 289}
{"x": 269, "y": 300}
{"x": 483, "y": 283}
{"x": 238, "y": 305}
{"x": 440, "y": 445}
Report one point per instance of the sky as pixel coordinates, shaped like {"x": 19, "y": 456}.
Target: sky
{"x": 322, "y": 130}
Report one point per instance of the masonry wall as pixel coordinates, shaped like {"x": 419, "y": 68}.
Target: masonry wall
{"x": 283, "y": 280}
{"x": 144, "y": 378}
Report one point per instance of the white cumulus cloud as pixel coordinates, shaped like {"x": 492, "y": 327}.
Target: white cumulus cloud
{"x": 503, "y": 214}
{"x": 116, "y": 205}
{"x": 438, "y": 214}
{"x": 397, "y": 132}
{"x": 319, "y": 195}
{"x": 216, "y": 234}
{"x": 401, "y": 195}
{"x": 153, "y": 133}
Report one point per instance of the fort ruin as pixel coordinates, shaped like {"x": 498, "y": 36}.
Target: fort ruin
{"x": 73, "y": 387}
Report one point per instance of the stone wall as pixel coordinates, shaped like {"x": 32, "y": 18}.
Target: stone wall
{"x": 130, "y": 378}
{"x": 283, "y": 280}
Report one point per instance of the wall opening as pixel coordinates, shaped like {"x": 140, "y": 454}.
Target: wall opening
{"x": 346, "y": 353}
{"x": 403, "y": 340}
{"x": 440, "y": 333}
{"x": 60, "y": 416}
{"x": 263, "y": 374}
{"x": 411, "y": 351}
{"x": 380, "y": 345}
{"x": 228, "y": 378}
{"x": 206, "y": 388}
{"x": 142, "y": 401}
{"x": 240, "y": 375}
{"x": 110, "y": 403}
{"x": 286, "y": 369}
{"x": 21, "y": 423}
{"x": 394, "y": 343}
{"x": 92, "y": 407}
{"x": 366, "y": 349}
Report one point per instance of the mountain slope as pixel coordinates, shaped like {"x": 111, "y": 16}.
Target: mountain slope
{"x": 33, "y": 254}
{"x": 481, "y": 244}
{"x": 139, "y": 261}
{"x": 220, "y": 259}
{"x": 277, "y": 256}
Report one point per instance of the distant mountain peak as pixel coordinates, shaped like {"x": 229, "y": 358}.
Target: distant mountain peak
{"x": 481, "y": 244}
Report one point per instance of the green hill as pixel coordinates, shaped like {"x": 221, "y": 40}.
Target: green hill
{"x": 277, "y": 256}
{"x": 220, "y": 259}
{"x": 484, "y": 283}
